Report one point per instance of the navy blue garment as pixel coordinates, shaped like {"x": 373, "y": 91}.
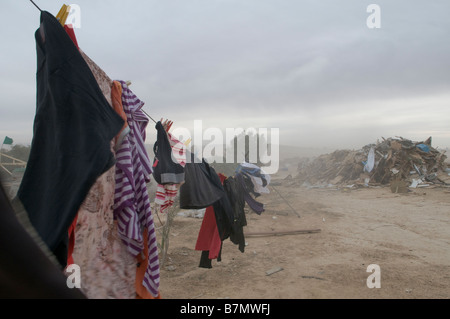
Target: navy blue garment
{"x": 73, "y": 127}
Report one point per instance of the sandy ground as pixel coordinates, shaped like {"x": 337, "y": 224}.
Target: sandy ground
{"x": 407, "y": 235}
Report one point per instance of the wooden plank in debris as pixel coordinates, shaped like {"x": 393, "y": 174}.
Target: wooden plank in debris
{"x": 273, "y": 271}
{"x": 280, "y": 233}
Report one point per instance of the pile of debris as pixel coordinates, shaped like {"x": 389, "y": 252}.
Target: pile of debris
{"x": 393, "y": 159}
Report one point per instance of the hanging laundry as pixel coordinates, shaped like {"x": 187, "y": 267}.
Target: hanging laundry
{"x": 73, "y": 127}
{"x": 116, "y": 100}
{"x": 71, "y": 33}
{"x": 260, "y": 180}
{"x": 71, "y": 231}
{"x": 165, "y": 196}
{"x": 202, "y": 186}
{"x": 166, "y": 168}
{"x": 108, "y": 268}
{"x": 217, "y": 225}
{"x": 166, "y": 193}
{"x": 132, "y": 204}
{"x": 141, "y": 269}
{"x": 28, "y": 269}
{"x": 243, "y": 184}
{"x": 224, "y": 214}
{"x": 208, "y": 240}
{"x": 235, "y": 195}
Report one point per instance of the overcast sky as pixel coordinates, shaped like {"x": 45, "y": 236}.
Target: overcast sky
{"x": 313, "y": 68}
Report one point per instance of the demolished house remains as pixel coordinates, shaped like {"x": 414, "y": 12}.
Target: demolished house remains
{"x": 387, "y": 162}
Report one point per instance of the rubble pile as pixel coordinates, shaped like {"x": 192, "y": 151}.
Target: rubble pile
{"x": 392, "y": 159}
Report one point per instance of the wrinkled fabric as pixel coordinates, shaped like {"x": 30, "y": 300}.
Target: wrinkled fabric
{"x": 116, "y": 100}
{"x": 166, "y": 168}
{"x": 165, "y": 196}
{"x": 224, "y": 213}
{"x": 208, "y": 238}
{"x": 141, "y": 268}
{"x": 72, "y": 227}
{"x": 108, "y": 270}
{"x": 166, "y": 193}
{"x": 260, "y": 180}
{"x": 244, "y": 181}
{"x": 73, "y": 127}
{"x": 217, "y": 225}
{"x": 28, "y": 270}
{"x": 131, "y": 200}
{"x": 202, "y": 186}
{"x": 236, "y": 197}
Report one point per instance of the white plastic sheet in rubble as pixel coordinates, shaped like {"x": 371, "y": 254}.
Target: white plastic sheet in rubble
{"x": 370, "y": 161}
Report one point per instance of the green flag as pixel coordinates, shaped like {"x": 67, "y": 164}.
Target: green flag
{"x": 8, "y": 140}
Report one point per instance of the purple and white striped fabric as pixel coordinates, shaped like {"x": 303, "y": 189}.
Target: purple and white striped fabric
{"x": 131, "y": 200}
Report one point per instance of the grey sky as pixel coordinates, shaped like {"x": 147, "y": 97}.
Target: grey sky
{"x": 313, "y": 69}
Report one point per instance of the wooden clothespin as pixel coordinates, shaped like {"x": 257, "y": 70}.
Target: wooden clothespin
{"x": 63, "y": 14}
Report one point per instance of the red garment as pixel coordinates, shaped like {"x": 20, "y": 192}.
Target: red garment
{"x": 208, "y": 236}
{"x": 71, "y": 241}
{"x": 71, "y": 33}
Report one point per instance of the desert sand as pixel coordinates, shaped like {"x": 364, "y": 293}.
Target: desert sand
{"x": 406, "y": 235}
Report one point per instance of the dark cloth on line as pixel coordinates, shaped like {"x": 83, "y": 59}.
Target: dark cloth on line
{"x": 216, "y": 227}
{"x": 237, "y": 201}
{"x": 256, "y": 206}
{"x": 202, "y": 186}
{"x": 73, "y": 127}
{"x": 27, "y": 268}
{"x": 224, "y": 214}
{"x": 205, "y": 261}
{"x": 166, "y": 169}
{"x": 256, "y": 180}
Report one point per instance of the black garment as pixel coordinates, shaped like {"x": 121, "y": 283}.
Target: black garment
{"x": 248, "y": 183}
{"x": 223, "y": 211}
{"x": 224, "y": 216}
{"x": 251, "y": 171}
{"x": 236, "y": 197}
{"x": 27, "y": 268}
{"x": 202, "y": 186}
{"x": 205, "y": 262}
{"x": 230, "y": 217}
{"x": 73, "y": 127}
{"x": 244, "y": 182}
{"x": 166, "y": 169}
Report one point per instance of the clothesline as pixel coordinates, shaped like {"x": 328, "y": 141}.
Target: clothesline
{"x": 35, "y": 5}
{"x": 149, "y": 116}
